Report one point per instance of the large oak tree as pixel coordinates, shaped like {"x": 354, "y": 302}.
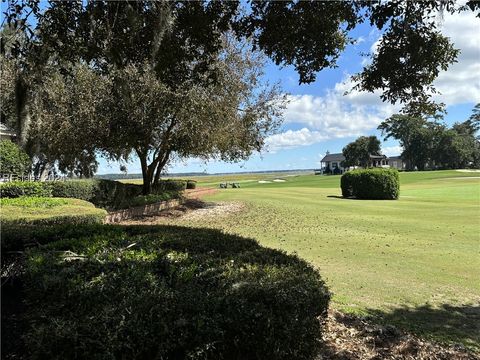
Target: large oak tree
{"x": 181, "y": 41}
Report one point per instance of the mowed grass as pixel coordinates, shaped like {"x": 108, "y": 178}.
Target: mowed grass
{"x": 414, "y": 262}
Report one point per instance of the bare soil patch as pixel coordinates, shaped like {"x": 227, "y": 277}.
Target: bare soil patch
{"x": 192, "y": 209}
{"x": 348, "y": 337}
{"x": 199, "y": 192}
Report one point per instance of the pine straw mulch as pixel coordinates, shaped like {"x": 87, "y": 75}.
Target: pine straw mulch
{"x": 348, "y": 337}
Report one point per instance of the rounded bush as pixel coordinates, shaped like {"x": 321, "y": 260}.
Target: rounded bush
{"x": 169, "y": 293}
{"x": 191, "y": 184}
{"x": 377, "y": 184}
{"x": 170, "y": 185}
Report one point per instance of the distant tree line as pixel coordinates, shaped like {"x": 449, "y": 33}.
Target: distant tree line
{"x": 426, "y": 143}
{"x": 431, "y": 143}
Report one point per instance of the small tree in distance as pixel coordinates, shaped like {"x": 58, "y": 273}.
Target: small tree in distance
{"x": 358, "y": 153}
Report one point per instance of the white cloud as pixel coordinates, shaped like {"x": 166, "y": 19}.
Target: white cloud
{"x": 343, "y": 112}
{"x": 461, "y": 82}
{"x": 335, "y": 115}
{"x": 360, "y": 40}
{"x": 293, "y": 138}
{"x": 392, "y": 150}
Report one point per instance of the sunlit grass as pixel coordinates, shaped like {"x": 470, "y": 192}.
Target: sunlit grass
{"x": 377, "y": 256}
{"x": 28, "y": 209}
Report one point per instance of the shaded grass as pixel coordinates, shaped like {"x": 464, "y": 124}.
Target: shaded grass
{"x": 422, "y": 250}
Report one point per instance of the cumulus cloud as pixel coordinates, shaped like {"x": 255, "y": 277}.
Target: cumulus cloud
{"x": 343, "y": 112}
{"x": 461, "y": 82}
{"x": 392, "y": 150}
{"x": 335, "y": 115}
{"x": 293, "y": 138}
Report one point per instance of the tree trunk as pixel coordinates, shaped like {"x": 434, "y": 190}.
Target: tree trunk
{"x": 22, "y": 111}
{"x": 160, "y": 167}
{"x": 146, "y": 174}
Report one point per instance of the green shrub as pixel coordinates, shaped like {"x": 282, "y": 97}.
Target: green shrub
{"x": 152, "y": 198}
{"x": 78, "y": 189}
{"x": 107, "y": 194}
{"x": 15, "y": 189}
{"x": 378, "y": 184}
{"x": 109, "y": 292}
{"x": 13, "y": 159}
{"x": 170, "y": 185}
{"x": 33, "y": 202}
{"x": 191, "y": 184}
{"x": 94, "y": 218}
{"x": 114, "y": 194}
{"x": 346, "y": 183}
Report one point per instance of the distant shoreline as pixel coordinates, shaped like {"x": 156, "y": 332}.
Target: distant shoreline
{"x": 191, "y": 174}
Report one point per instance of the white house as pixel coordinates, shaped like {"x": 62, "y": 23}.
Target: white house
{"x": 334, "y": 162}
{"x": 6, "y": 133}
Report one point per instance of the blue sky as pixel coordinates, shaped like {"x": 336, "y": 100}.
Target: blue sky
{"x": 320, "y": 118}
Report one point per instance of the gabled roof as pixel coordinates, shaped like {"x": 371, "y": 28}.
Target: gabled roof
{"x": 395, "y": 158}
{"x": 333, "y": 157}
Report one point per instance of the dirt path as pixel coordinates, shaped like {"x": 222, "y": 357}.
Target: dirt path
{"x": 199, "y": 192}
{"x": 192, "y": 209}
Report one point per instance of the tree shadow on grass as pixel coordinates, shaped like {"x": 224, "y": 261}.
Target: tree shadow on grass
{"x": 444, "y": 323}
{"x": 197, "y": 287}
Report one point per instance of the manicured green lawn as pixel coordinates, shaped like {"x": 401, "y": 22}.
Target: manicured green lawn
{"x": 414, "y": 262}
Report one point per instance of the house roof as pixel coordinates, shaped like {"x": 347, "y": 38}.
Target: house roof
{"x": 5, "y": 130}
{"x": 333, "y": 157}
{"x": 378, "y": 157}
{"x": 395, "y": 158}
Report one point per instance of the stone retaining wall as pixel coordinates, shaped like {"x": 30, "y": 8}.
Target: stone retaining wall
{"x": 145, "y": 210}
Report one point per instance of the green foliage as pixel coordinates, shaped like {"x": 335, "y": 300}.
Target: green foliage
{"x": 36, "y": 202}
{"x": 381, "y": 184}
{"x": 176, "y": 293}
{"x": 13, "y": 160}
{"x": 308, "y": 51}
{"x": 358, "y": 152}
{"x": 170, "y": 185}
{"x": 106, "y": 194}
{"x": 429, "y": 143}
{"x": 15, "y": 189}
{"x": 25, "y": 214}
{"x": 73, "y": 219}
{"x": 411, "y": 52}
{"x": 191, "y": 184}
{"x": 346, "y": 183}
{"x": 146, "y": 43}
{"x": 78, "y": 189}
{"x": 152, "y": 198}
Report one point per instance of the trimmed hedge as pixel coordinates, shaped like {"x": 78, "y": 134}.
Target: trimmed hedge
{"x": 108, "y": 194}
{"x": 168, "y": 292}
{"x": 377, "y": 184}
{"x": 191, "y": 184}
{"x": 170, "y": 185}
{"x": 152, "y": 198}
{"x": 15, "y": 189}
{"x": 78, "y": 189}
